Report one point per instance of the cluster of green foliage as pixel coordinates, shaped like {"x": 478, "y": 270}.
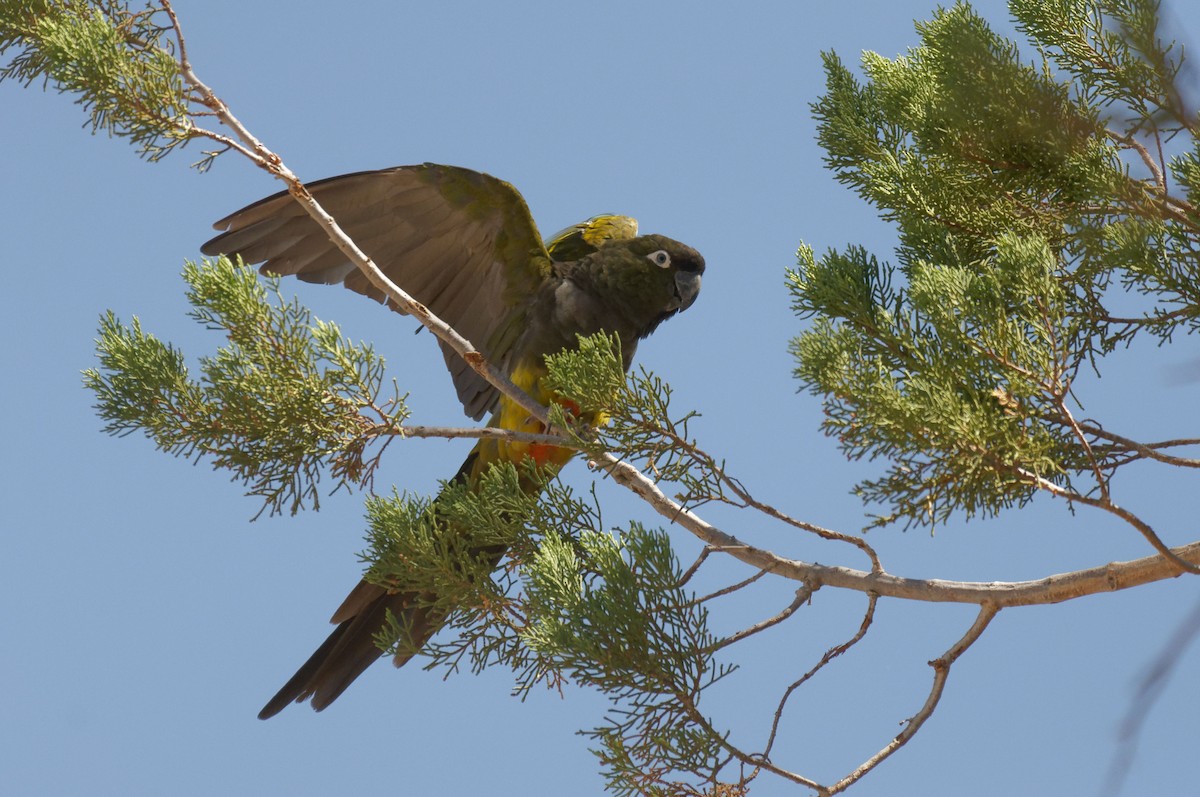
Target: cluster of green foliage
{"x": 638, "y": 425}
{"x": 122, "y": 66}
{"x": 287, "y": 399}
{"x": 573, "y": 601}
{"x": 1028, "y": 202}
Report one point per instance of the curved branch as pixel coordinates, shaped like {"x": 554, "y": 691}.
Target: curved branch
{"x": 1146, "y": 450}
{"x": 695, "y": 566}
{"x": 721, "y": 739}
{"x": 732, "y": 588}
{"x": 1107, "y": 505}
{"x": 941, "y": 671}
{"x": 1051, "y": 589}
{"x": 830, "y": 655}
{"x": 1156, "y": 171}
{"x": 735, "y": 485}
{"x": 803, "y": 595}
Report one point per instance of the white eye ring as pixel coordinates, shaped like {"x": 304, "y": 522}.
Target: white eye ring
{"x": 660, "y": 258}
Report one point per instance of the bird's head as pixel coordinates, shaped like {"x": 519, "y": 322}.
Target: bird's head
{"x": 670, "y": 272}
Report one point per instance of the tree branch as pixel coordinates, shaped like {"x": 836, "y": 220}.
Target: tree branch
{"x": 1051, "y": 589}
{"x": 1146, "y": 450}
{"x": 738, "y": 489}
{"x": 830, "y": 655}
{"x": 941, "y": 671}
{"x": 730, "y": 589}
{"x": 478, "y": 432}
{"x": 802, "y": 597}
{"x": 1107, "y": 505}
{"x": 272, "y": 163}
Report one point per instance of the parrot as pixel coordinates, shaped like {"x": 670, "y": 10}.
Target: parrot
{"x": 464, "y": 244}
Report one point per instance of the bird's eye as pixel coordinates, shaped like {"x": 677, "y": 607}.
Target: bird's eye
{"x": 659, "y": 258}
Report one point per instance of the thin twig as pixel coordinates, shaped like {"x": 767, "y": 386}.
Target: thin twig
{"x": 802, "y": 597}
{"x": 830, "y": 655}
{"x": 941, "y": 671}
{"x": 738, "y": 489}
{"x": 1101, "y": 481}
{"x": 1107, "y": 505}
{"x": 691, "y": 571}
{"x": 685, "y": 700}
{"x": 730, "y": 589}
{"x": 1147, "y": 450}
{"x": 256, "y": 152}
{"x": 1157, "y": 173}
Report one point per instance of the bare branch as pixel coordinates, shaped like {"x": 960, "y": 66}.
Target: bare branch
{"x": 691, "y": 571}
{"x": 1147, "y": 450}
{"x": 477, "y": 432}
{"x": 731, "y": 588}
{"x": 256, "y": 152}
{"x": 1156, "y": 172}
{"x": 941, "y": 671}
{"x": 695, "y": 716}
{"x": 1051, "y": 589}
{"x": 802, "y": 597}
{"x": 1107, "y": 505}
{"x": 738, "y": 489}
{"x": 824, "y": 533}
{"x": 830, "y": 655}
{"x": 1097, "y": 471}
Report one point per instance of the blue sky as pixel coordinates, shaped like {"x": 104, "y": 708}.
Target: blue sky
{"x": 147, "y": 620}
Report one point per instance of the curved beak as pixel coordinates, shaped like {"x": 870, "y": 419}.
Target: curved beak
{"x": 687, "y": 288}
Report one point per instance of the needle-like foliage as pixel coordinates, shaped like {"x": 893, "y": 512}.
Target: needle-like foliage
{"x": 285, "y": 400}
{"x": 122, "y": 66}
{"x": 1028, "y": 202}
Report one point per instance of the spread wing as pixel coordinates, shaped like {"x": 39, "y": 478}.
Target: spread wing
{"x": 460, "y": 242}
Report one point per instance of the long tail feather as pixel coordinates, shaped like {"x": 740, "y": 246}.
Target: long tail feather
{"x": 351, "y": 648}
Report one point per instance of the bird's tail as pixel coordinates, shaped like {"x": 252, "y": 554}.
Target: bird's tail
{"x": 351, "y": 648}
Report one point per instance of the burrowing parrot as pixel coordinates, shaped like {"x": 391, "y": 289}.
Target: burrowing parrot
{"x": 463, "y": 244}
